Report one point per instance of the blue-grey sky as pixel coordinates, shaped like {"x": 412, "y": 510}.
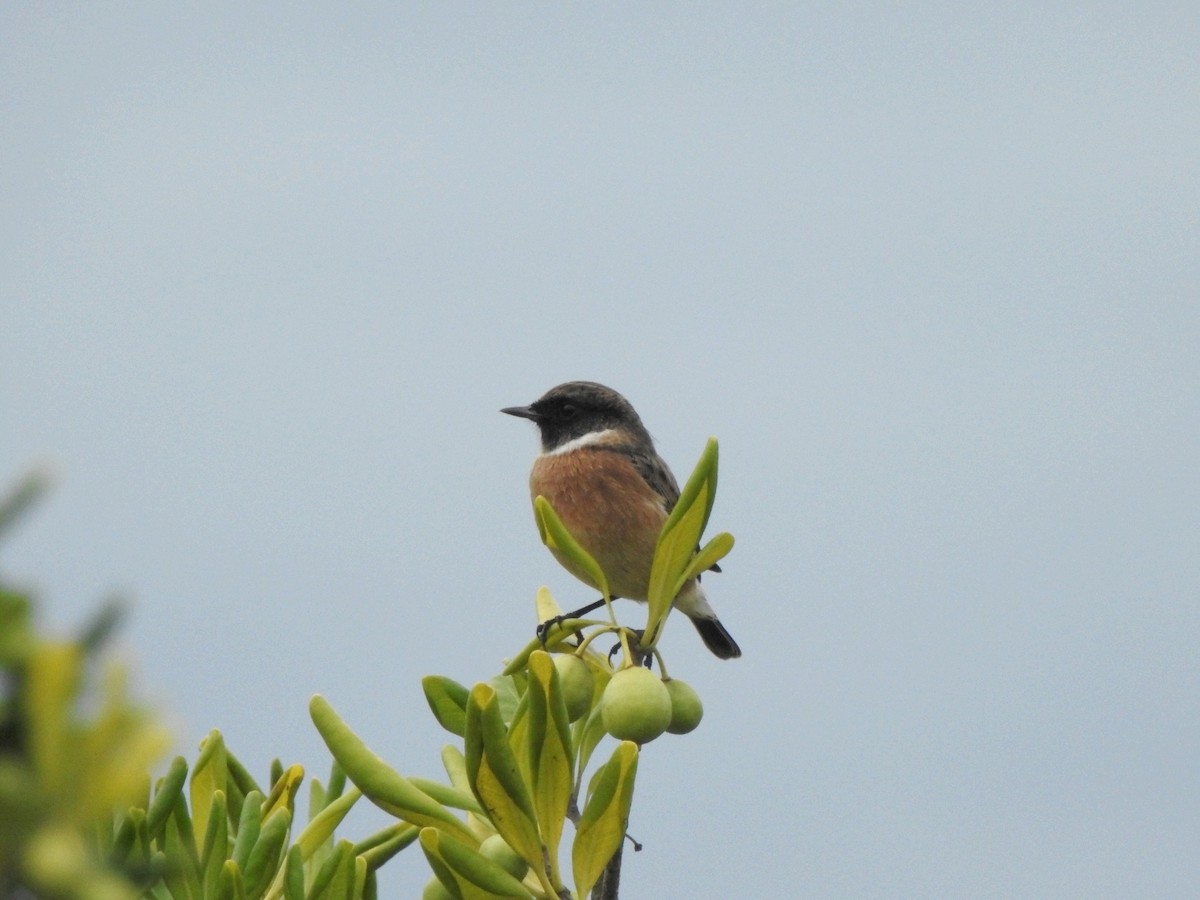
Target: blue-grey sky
{"x": 930, "y": 272}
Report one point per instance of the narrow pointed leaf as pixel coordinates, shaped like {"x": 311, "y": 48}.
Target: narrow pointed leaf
{"x": 468, "y": 866}
{"x": 591, "y": 733}
{"x": 187, "y": 835}
{"x": 166, "y": 796}
{"x": 555, "y": 536}
{"x": 383, "y": 785}
{"x": 293, "y": 878}
{"x": 337, "y": 781}
{"x": 602, "y": 826}
{"x": 209, "y": 775}
{"x": 547, "y": 606}
{"x": 714, "y": 551}
{"x": 283, "y": 790}
{"x": 321, "y": 828}
{"x": 231, "y": 886}
{"x": 705, "y": 473}
{"x": 455, "y": 765}
{"x": 448, "y": 796}
{"x": 360, "y": 877}
{"x": 182, "y": 874}
{"x": 564, "y": 630}
{"x": 549, "y": 750}
{"x": 317, "y": 800}
{"x": 510, "y": 694}
{"x": 343, "y": 853}
{"x": 267, "y": 852}
{"x": 447, "y": 700}
{"x": 123, "y": 841}
{"x": 248, "y": 827}
{"x": 496, "y": 779}
{"x": 336, "y": 878}
{"x": 216, "y": 844}
{"x": 678, "y": 540}
{"x": 671, "y": 558}
{"x": 239, "y": 784}
{"x": 383, "y": 845}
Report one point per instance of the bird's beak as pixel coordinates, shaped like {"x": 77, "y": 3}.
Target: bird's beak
{"x": 524, "y": 412}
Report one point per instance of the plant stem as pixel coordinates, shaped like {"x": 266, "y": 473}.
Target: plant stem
{"x": 610, "y": 879}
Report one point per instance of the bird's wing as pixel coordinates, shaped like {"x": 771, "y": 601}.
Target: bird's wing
{"x": 658, "y": 476}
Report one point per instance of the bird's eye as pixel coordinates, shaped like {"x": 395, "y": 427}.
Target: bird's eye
{"x": 568, "y": 411}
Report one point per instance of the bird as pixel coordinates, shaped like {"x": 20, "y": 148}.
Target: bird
{"x": 600, "y": 472}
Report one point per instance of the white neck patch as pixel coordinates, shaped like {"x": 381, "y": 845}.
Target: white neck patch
{"x": 585, "y": 440}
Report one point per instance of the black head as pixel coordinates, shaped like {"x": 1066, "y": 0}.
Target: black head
{"x": 577, "y": 408}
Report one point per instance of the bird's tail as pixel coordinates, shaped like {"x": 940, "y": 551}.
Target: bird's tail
{"x": 716, "y": 638}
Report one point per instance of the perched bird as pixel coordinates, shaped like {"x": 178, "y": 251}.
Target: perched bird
{"x": 600, "y": 471}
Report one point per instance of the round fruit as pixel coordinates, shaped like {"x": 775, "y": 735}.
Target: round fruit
{"x": 636, "y": 705}
{"x": 575, "y": 679}
{"x": 497, "y": 850}
{"x": 686, "y": 708}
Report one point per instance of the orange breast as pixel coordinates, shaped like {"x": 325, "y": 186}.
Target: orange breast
{"x": 609, "y": 509}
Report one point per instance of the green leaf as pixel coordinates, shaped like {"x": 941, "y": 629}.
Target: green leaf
{"x": 678, "y": 540}
{"x": 216, "y": 844}
{"x": 317, "y": 800}
{"x": 248, "y": 827}
{"x": 165, "y": 797}
{"x": 383, "y": 845}
{"x": 712, "y": 552}
{"x": 602, "y": 826}
{"x": 518, "y": 737}
{"x": 143, "y": 844}
{"x": 558, "y": 639}
{"x": 510, "y": 694}
{"x": 182, "y": 874}
{"x": 293, "y": 879}
{"x": 448, "y": 796}
{"x": 322, "y": 826}
{"x": 231, "y": 886}
{"x": 496, "y": 778}
{"x": 589, "y": 733}
{"x": 360, "y": 878}
{"x": 704, "y": 475}
{"x": 455, "y": 765}
{"x": 239, "y": 784}
{"x": 123, "y": 840}
{"x": 187, "y": 835}
{"x": 283, "y": 790}
{"x": 383, "y": 785}
{"x": 550, "y": 755}
{"x": 470, "y": 870}
{"x": 555, "y": 536}
{"x": 342, "y": 855}
{"x": 337, "y": 781}
{"x": 547, "y": 607}
{"x": 267, "y": 852}
{"x": 209, "y": 775}
{"x": 448, "y": 701}
{"x": 335, "y": 881}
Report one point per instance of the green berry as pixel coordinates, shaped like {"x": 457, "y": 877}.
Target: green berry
{"x": 636, "y": 705}
{"x": 686, "y": 708}
{"x": 575, "y": 679}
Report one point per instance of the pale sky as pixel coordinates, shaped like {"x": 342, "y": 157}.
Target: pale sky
{"x": 930, "y": 273}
